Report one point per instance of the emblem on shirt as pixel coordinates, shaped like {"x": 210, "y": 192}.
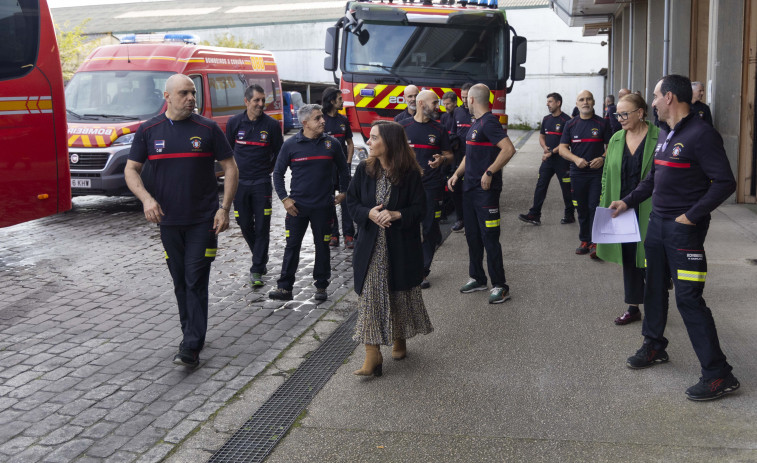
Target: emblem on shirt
{"x": 344, "y": 129}
{"x": 701, "y": 114}
{"x": 263, "y": 135}
{"x": 594, "y": 132}
{"x": 240, "y": 134}
{"x": 196, "y": 142}
{"x": 473, "y": 135}
{"x": 677, "y": 148}
{"x": 328, "y": 144}
{"x": 432, "y": 139}
{"x": 558, "y": 127}
{"x": 159, "y": 145}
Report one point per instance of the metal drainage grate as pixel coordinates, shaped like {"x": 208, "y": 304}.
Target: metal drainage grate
{"x": 268, "y": 425}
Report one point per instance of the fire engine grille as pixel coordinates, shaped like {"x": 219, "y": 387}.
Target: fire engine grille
{"x": 268, "y": 425}
{"x": 95, "y": 161}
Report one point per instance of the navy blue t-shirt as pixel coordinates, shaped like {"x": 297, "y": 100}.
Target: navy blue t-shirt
{"x": 587, "y": 139}
{"x": 402, "y": 116}
{"x": 463, "y": 121}
{"x": 427, "y": 139}
{"x": 552, "y": 128}
{"x": 312, "y": 161}
{"x": 339, "y": 128}
{"x": 481, "y": 150}
{"x": 182, "y": 155}
{"x": 256, "y": 145}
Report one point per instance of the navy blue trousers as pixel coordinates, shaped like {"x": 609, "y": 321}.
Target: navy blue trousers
{"x": 348, "y": 228}
{"x": 586, "y": 190}
{"x": 677, "y": 250}
{"x": 547, "y": 169}
{"x": 432, "y": 234}
{"x": 189, "y": 251}
{"x": 252, "y": 210}
{"x": 482, "y": 231}
{"x": 320, "y": 224}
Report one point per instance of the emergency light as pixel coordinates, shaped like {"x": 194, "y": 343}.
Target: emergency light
{"x": 152, "y": 38}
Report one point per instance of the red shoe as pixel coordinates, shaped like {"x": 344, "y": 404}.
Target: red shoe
{"x": 627, "y": 318}
{"x": 593, "y": 251}
{"x": 349, "y": 242}
{"x": 583, "y": 248}
{"x": 334, "y": 242}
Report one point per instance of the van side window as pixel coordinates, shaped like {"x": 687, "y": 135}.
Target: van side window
{"x": 199, "y": 96}
{"x": 19, "y": 34}
{"x": 226, "y": 94}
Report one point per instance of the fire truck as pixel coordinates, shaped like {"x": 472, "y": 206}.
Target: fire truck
{"x": 34, "y": 177}
{"x": 384, "y": 47}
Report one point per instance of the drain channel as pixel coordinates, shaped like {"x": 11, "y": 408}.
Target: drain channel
{"x": 268, "y": 425}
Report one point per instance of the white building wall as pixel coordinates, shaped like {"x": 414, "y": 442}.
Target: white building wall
{"x": 559, "y": 59}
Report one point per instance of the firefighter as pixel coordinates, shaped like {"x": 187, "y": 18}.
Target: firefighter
{"x": 449, "y": 100}
{"x": 410, "y": 94}
{"x": 430, "y": 142}
{"x": 698, "y": 106}
{"x": 311, "y": 155}
{"x": 338, "y": 127}
{"x": 182, "y": 147}
{"x": 691, "y": 176}
{"x": 551, "y": 163}
{"x": 463, "y": 120}
{"x": 257, "y": 139}
{"x": 488, "y": 149}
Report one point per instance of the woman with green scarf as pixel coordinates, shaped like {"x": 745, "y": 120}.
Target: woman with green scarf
{"x": 630, "y": 155}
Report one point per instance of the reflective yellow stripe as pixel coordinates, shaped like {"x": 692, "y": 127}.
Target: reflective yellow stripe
{"x": 326, "y": 237}
{"x": 566, "y": 180}
{"x": 492, "y": 223}
{"x": 690, "y": 275}
{"x": 575, "y": 203}
{"x": 165, "y": 254}
{"x": 437, "y": 214}
{"x": 210, "y": 252}
{"x": 267, "y": 211}
{"x": 236, "y": 214}
{"x": 286, "y": 233}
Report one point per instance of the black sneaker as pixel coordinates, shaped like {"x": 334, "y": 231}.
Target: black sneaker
{"x": 567, "y": 219}
{"x": 188, "y": 358}
{"x": 646, "y": 357}
{"x": 320, "y": 294}
{"x": 529, "y": 218}
{"x": 458, "y": 226}
{"x": 280, "y": 294}
{"x": 710, "y": 389}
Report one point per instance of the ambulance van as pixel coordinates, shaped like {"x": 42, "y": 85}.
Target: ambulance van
{"x": 120, "y": 86}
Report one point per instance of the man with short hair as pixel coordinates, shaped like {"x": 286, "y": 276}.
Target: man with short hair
{"x": 430, "y": 142}
{"x": 690, "y": 177}
{"x": 257, "y": 139}
{"x": 182, "y": 148}
{"x": 623, "y": 92}
{"x": 584, "y": 142}
{"x": 410, "y": 94}
{"x": 463, "y": 120}
{"x": 488, "y": 150}
{"x": 338, "y": 127}
{"x": 610, "y": 110}
{"x": 449, "y": 100}
{"x": 311, "y": 155}
{"x": 551, "y": 163}
{"x": 698, "y": 106}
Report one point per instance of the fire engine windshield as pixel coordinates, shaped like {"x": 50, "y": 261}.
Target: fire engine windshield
{"x": 427, "y": 50}
{"x": 115, "y": 95}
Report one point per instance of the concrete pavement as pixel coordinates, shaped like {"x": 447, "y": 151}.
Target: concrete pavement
{"x": 542, "y": 377}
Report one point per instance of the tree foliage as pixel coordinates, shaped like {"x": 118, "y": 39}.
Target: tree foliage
{"x": 231, "y": 41}
{"x": 72, "y": 47}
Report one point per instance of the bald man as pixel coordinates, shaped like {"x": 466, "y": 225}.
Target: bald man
{"x": 584, "y": 143}
{"x": 430, "y": 141}
{"x": 623, "y": 92}
{"x": 182, "y": 148}
{"x": 410, "y": 94}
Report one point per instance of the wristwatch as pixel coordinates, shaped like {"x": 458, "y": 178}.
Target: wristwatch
{"x": 489, "y": 173}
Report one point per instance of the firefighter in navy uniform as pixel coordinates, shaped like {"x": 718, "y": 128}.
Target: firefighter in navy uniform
{"x": 488, "y": 150}
{"x": 698, "y": 106}
{"x": 463, "y": 120}
{"x": 430, "y": 142}
{"x": 690, "y": 177}
{"x": 182, "y": 148}
{"x": 551, "y": 163}
{"x": 311, "y": 156}
{"x": 338, "y": 127}
{"x": 449, "y": 100}
{"x": 584, "y": 142}
{"x": 410, "y": 94}
{"x": 257, "y": 139}
{"x": 610, "y": 109}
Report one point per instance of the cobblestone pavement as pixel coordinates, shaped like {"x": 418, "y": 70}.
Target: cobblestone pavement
{"x": 89, "y": 325}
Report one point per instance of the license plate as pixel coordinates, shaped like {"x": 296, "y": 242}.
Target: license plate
{"x": 81, "y": 183}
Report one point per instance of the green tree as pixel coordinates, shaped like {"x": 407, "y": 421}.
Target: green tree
{"x": 231, "y": 41}
{"x": 72, "y": 47}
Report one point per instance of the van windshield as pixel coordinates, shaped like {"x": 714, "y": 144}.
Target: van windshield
{"x": 115, "y": 95}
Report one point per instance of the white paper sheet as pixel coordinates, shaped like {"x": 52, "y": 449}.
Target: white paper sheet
{"x": 622, "y": 229}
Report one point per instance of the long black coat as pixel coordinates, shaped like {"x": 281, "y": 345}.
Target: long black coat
{"x": 403, "y": 237}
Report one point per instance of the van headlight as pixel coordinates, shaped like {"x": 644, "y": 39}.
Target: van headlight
{"x": 127, "y": 139}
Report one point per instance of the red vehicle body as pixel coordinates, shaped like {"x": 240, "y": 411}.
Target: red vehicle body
{"x": 386, "y": 47}
{"x": 34, "y": 177}
{"x": 120, "y": 86}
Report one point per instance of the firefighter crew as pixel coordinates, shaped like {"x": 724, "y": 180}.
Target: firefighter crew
{"x": 338, "y": 127}
{"x": 311, "y": 155}
{"x": 463, "y": 120}
{"x": 487, "y": 150}
{"x": 410, "y": 94}
{"x": 430, "y": 142}
{"x": 257, "y": 139}
{"x": 551, "y": 163}
{"x": 182, "y": 147}
{"x": 690, "y": 177}
{"x": 698, "y": 106}
{"x": 583, "y": 142}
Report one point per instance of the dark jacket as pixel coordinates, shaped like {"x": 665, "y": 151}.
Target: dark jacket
{"x": 403, "y": 237}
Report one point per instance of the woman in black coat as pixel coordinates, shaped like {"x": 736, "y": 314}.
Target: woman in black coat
{"x": 386, "y": 200}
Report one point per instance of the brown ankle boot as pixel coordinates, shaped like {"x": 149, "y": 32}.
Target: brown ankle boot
{"x": 399, "y": 349}
{"x": 373, "y": 361}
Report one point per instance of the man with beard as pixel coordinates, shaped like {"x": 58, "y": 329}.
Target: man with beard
{"x": 410, "y": 94}
{"x": 430, "y": 142}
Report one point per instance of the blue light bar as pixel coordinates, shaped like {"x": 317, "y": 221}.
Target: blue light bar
{"x": 157, "y": 38}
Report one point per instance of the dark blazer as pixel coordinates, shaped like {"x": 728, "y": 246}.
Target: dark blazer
{"x": 403, "y": 237}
